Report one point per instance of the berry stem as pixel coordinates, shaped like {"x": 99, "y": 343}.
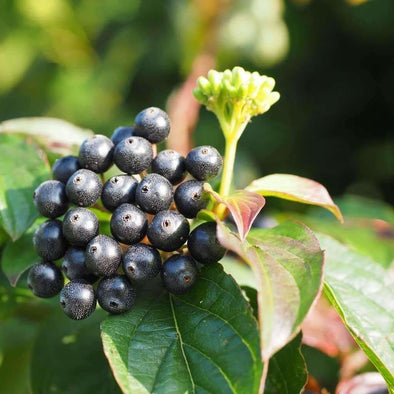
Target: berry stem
{"x": 100, "y": 207}
{"x": 154, "y": 149}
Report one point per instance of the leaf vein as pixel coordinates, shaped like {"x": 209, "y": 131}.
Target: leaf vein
{"x": 181, "y": 343}
{"x": 225, "y": 321}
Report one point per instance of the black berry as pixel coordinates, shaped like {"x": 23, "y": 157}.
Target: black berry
{"x": 96, "y": 153}
{"x": 80, "y": 226}
{"x": 203, "y": 244}
{"x": 141, "y": 263}
{"x": 103, "y": 255}
{"x": 63, "y": 168}
{"x": 77, "y": 299}
{"x": 179, "y": 273}
{"x": 154, "y": 194}
{"x": 118, "y": 190}
{"x": 83, "y": 188}
{"x": 153, "y": 124}
{"x": 50, "y": 199}
{"x": 171, "y": 165}
{"x": 45, "y": 280}
{"x": 74, "y": 267}
{"x": 128, "y": 224}
{"x": 115, "y": 294}
{"x": 168, "y": 231}
{"x": 190, "y": 198}
{"x": 49, "y": 241}
{"x": 133, "y": 155}
{"x": 121, "y": 133}
{"x": 204, "y": 162}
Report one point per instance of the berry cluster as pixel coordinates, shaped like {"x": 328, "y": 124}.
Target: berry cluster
{"x": 145, "y": 225}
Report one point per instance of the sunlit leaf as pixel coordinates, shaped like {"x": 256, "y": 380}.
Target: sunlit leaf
{"x": 55, "y": 134}
{"x": 243, "y": 205}
{"x": 204, "y": 341}
{"x": 287, "y": 262}
{"x": 362, "y": 292}
{"x": 295, "y": 188}
{"x": 287, "y": 370}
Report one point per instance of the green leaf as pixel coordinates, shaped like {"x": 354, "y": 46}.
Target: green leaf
{"x": 287, "y": 262}
{"x": 360, "y": 234}
{"x": 295, "y": 188}
{"x": 20, "y": 255}
{"x": 206, "y": 216}
{"x": 22, "y": 169}
{"x": 204, "y": 341}
{"x": 358, "y": 206}
{"x": 68, "y": 357}
{"x": 244, "y": 206}
{"x": 287, "y": 368}
{"x": 362, "y": 292}
{"x": 55, "y": 134}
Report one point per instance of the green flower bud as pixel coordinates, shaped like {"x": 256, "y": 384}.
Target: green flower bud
{"x": 235, "y": 96}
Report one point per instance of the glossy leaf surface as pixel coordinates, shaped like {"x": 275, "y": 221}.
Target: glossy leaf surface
{"x": 287, "y": 262}
{"x": 204, "y": 341}
{"x": 362, "y": 292}
{"x": 295, "y": 188}
{"x": 243, "y": 205}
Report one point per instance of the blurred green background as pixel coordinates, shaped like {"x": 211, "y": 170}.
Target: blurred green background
{"x": 98, "y": 63}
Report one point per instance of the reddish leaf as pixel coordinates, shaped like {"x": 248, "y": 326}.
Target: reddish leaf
{"x": 295, "y": 188}
{"x": 243, "y": 205}
{"x": 371, "y": 382}
{"x": 323, "y": 329}
{"x": 288, "y": 264}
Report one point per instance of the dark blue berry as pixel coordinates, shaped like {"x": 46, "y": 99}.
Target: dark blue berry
{"x": 153, "y": 124}
{"x": 83, "y": 188}
{"x": 45, "y": 280}
{"x": 50, "y": 199}
{"x": 168, "y": 231}
{"x": 96, "y": 153}
{"x": 154, "y": 194}
{"x": 203, "y": 244}
{"x": 141, "y": 263}
{"x": 74, "y": 267}
{"x": 103, "y": 255}
{"x": 49, "y": 241}
{"x": 116, "y": 294}
{"x": 133, "y": 155}
{"x": 204, "y": 162}
{"x": 118, "y": 190}
{"x": 179, "y": 273}
{"x": 77, "y": 299}
{"x": 171, "y": 165}
{"x": 121, "y": 133}
{"x": 80, "y": 226}
{"x": 128, "y": 224}
{"x": 190, "y": 198}
{"x": 63, "y": 168}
